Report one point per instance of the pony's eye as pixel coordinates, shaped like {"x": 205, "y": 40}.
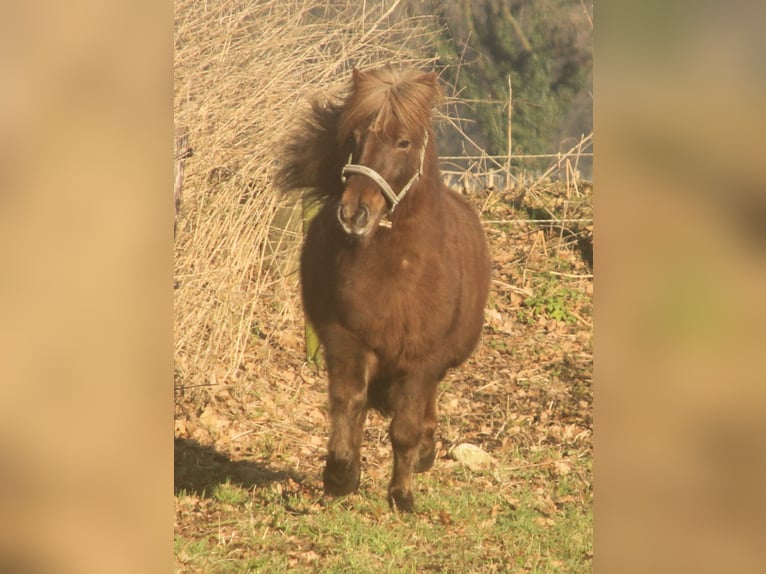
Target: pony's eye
{"x": 403, "y": 144}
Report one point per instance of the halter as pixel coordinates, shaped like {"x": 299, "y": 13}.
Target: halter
{"x": 392, "y": 198}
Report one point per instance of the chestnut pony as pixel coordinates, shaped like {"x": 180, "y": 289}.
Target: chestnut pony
{"x": 394, "y": 268}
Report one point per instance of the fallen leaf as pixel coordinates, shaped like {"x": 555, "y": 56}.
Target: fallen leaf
{"x": 214, "y": 422}
{"x": 310, "y": 556}
{"x": 181, "y": 428}
{"x": 499, "y": 322}
{"x": 561, "y": 468}
{"x": 568, "y": 499}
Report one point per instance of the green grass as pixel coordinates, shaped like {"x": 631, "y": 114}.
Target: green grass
{"x": 228, "y": 493}
{"x": 552, "y": 299}
{"x": 523, "y": 521}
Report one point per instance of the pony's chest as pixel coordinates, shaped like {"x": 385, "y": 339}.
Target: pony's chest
{"x": 375, "y": 289}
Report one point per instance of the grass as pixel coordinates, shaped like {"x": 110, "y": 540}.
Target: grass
{"x": 465, "y": 522}
{"x": 551, "y": 300}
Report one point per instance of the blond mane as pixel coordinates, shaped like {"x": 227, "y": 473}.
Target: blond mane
{"x": 390, "y": 101}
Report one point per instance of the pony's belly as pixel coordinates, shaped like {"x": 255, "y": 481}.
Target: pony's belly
{"x": 395, "y": 327}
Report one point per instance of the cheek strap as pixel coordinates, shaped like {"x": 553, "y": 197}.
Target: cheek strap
{"x": 392, "y": 198}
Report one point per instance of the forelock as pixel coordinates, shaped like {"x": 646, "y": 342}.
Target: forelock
{"x": 391, "y": 101}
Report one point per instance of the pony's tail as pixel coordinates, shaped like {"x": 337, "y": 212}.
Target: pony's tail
{"x": 311, "y": 157}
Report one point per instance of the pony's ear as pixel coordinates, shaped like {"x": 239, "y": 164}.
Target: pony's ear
{"x": 431, "y": 79}
{"x": 358, "y": 76}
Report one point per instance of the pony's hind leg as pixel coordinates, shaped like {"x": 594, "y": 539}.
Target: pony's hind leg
{"x": 349, "y": 376}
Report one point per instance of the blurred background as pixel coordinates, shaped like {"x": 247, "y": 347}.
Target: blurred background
{"x": 88, "y": 349}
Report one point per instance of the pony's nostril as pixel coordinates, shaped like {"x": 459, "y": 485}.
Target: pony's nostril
{"x": 353, "y": 217}
{"x": 363, "y": 215}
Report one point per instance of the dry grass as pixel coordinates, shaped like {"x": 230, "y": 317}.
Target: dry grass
{"x": 243, "y": 72}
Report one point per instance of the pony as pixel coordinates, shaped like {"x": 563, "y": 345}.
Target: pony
{"x": 394, "y": 268}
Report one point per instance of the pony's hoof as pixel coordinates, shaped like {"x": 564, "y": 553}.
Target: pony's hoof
{"x": 340, "y": 479}
{"x": 400, "y": 500}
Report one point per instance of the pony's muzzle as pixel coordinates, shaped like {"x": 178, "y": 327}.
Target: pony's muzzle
{"x": 354, "y": 221}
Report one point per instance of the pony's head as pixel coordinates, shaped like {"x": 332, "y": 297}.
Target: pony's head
{"x": 385, "y": 126}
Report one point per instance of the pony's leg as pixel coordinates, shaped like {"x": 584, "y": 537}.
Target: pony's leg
{"x": 349, "y": 373}
{"x": 427, "y": 446}
{"x": 407, "y": 432}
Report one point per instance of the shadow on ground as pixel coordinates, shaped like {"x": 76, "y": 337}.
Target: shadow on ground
{"x": 199, "y": 469}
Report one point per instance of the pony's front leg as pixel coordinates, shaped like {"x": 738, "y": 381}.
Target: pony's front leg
{"x": 349, "y": 378}
{"x": 412, "y": 439}
{"x": 347, "y": 416}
